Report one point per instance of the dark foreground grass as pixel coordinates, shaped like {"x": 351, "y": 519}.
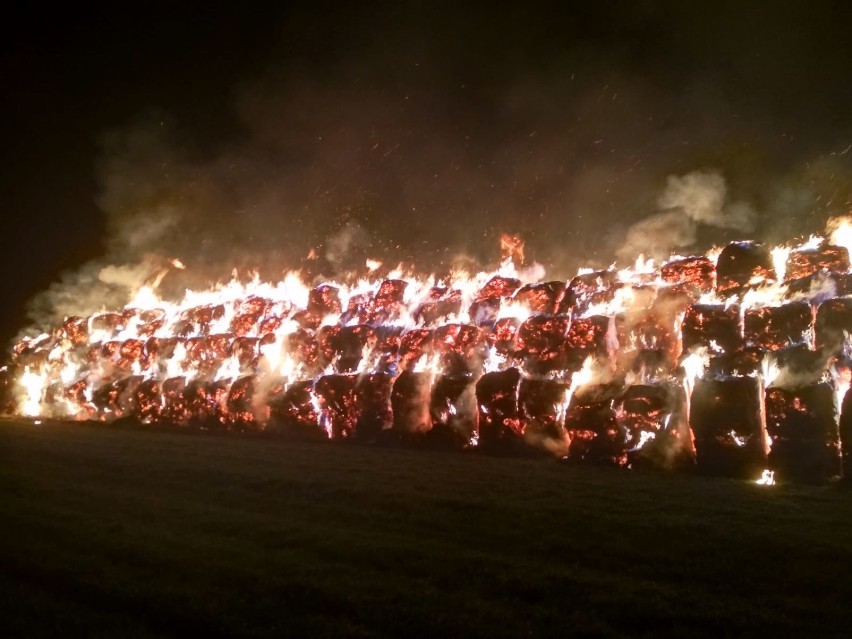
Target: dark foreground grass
{"x": 114, "y": 533}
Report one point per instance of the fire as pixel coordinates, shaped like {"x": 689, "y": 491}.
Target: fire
{"x": 512, "y": 247}
{"x": 33, "y": 384}
{"x": 632, "y": 357}
{"x": 767, "y": 478}
{"x": 839, "y": 231}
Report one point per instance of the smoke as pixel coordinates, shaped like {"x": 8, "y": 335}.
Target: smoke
{"x": 688, "y": 202}
{"x": 93, "y": 287}
{"x": 391, "y": 146}
{"x": 347, "y": 247}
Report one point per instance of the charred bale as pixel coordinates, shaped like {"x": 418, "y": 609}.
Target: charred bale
{"x": 268, "y": 325}
{"x": 324, "y": 300}
{"x": 713, "y": 326}
{"x": 207, "y": 353}
{"x": 541, "y": 342}
{"x": 833, "y": 325}
{"x": 819, "y": 287}
{"x": 484, "y": 312}
{"x": 413, "y": 345}
{"x": 206, "y": 403}
{"x": 846, "y": 436}
{"x": 542, "y": 298}
{"x": 410, "y": 399}
{"x": 8, "y": 402}
{"x": 247, "y": 352}
{"x": 500, "y": 423}
{"x": 388, "y": 301}
{"x": 741, "y": 265}
{"x": 698, "y": 274}
{"x": 248, "y": 315}
{"x": 499, "y": 287}
{"x": 104, "y": 399}
{"x": 726, "y": 421}
{"x": 109, "y": 324}
{"x": 646, "y": 342}
{"x": 175, "y": 410}
{"x": 592, "y": 427}
{"x": 338, "y": 407}
{"x": 746, "y": 361}
{"x": 296, "y": 411}
{"x": 76, "y": 330}
{"x": 440, "y": 303}
{"x": 150, "y": 322}
{"x": 77, "y": 393}
{"x": 373, "y": 404}
{"x": 126, "y": 405}
{"x": 130, "y": 352}
{"x": 452, "y": 408}
{"x": 649, "y": 417}
{"x": 303, "y": 348}
{"x": 240, "y": 402}
{"x": 197, "y": 320}
{"x": 149, "y": 401}
{"x": 594, "y": 336}
{"x": 803, "y": 428}
{"x": 582, "y": 289}
{"x": 800, "y": 366}
{"x": 824, "y": 258}
{"x": 158, "y": 350}
{"x": 325, "y": 337}
{"x": 458, "y": 346}
{"x": 776, "y": 327}
{"x": 349, "y": 345}
{"x": 542, "y": 405}
{"x": 386, "y": 350}
{"x": 502, "y": 336}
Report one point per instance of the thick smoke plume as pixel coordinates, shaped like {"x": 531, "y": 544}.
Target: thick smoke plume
{"x": 689, "y": 202}
{"x": 406, "y": 149}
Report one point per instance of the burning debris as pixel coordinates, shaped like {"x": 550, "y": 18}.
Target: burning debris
{"x": 736, "y": 365}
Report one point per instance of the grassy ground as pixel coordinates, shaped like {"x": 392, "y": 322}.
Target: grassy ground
{"x": 107, "y": 532}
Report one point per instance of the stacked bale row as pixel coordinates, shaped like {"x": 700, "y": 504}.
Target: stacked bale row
{"x": 365, "y": 377}
{"x": 743, "y": 417}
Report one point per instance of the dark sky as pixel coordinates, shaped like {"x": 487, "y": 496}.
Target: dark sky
{"x": 245, "y": 137}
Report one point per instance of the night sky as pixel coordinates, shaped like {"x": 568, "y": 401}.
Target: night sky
{"x": 413, "y": 131}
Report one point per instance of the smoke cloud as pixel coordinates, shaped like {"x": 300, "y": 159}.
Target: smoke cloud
{"x": 688, "y": 202}
{"x": 403, "y": 148}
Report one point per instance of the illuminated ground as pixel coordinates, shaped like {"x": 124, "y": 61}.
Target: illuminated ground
{"x": 107, "y": 532}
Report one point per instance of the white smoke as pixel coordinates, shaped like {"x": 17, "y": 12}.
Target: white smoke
{"x": 688, "y": 201}
{"x": 346, "y": 245}
{"x": 95, "y": 286}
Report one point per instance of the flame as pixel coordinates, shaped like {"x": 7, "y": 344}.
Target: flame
{"x": 693, "y": 367}
{"x": 34, "y": 384}
{"x": 512, "y": 247}
{"x": 780, "y": 254}
{"x": 767, "y": 478}
{"x": 770, "y": 369}
{"x": 738, "y": 439}
{"x": 839, "y": 230}
{"x": 713, "y": 254}
{"x": 579, "y": 379}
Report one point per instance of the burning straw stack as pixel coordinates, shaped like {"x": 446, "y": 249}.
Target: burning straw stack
{"x": 733, "y": 365}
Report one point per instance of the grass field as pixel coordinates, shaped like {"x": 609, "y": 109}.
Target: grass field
{"x": 119, "y": 533}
